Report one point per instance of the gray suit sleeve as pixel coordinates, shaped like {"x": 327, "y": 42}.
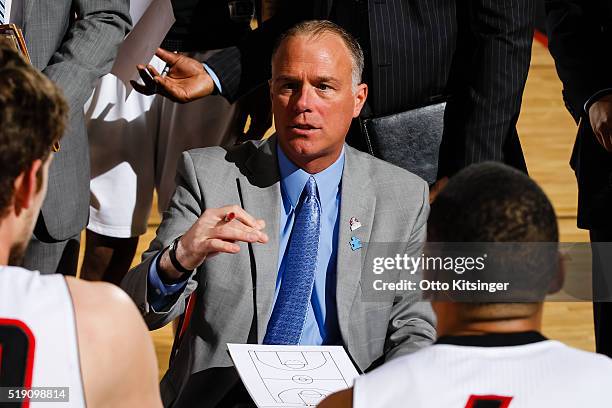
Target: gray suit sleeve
{"x": 412, "y": 321}
{"x": 185, "y": 208}
{"x": 89, "y": 47}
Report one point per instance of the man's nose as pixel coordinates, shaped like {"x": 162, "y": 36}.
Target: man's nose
{"x": 303, "y": 99}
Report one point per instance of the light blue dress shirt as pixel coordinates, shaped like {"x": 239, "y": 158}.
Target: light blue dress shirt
{"x": 214, "y": 77}
{"x": 321, "y": 325}
{"x": 159, "y": 292}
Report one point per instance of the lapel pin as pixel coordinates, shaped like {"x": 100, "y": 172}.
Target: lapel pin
{"x": 354, "y": 223}
{"x": 355, "y": 243}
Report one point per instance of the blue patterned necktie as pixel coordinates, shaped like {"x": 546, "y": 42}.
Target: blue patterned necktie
{"x": 289, "y": 313}
{"x": 3, "y": 19}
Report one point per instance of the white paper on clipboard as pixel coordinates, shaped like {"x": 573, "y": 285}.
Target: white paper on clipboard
{"x": 146, "y": 36}
{"x": 292, "y": 376}
{"x": 138, "y": 8}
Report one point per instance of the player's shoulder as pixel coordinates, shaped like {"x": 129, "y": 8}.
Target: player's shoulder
{"x": 100, "y": 305}
{"x": 385, "y": 385}
{"x": 399, "y": 366}
{"x": 584, "y": 360}
{"x": 116, "y": 354}
{"x": 92, "y": 294}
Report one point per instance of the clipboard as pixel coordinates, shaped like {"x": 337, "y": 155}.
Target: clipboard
{"x": 14, "y": 36}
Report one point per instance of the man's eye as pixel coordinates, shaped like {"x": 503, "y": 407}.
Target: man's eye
{"x": 324, "y": 87}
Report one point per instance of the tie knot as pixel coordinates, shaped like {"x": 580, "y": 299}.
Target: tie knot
{"x": 310, "y": 189}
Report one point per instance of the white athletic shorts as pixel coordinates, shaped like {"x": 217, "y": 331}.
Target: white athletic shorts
{"x": 135, "y": 144}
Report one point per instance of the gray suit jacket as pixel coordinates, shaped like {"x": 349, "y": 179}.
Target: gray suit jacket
{"x": 73, "y": 42}
{"x": 234, "y": 297}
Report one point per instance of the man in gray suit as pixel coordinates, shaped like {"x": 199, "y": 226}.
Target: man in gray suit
{"x": 318, "y": 200}
{"x": 73, "y": 42}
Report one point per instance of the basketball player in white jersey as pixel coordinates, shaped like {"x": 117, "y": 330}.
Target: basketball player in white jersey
{"x": 56, "y": 331}
{"x": 491, "y": 354}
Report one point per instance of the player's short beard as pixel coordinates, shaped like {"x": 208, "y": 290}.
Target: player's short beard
{"x": 17, "y": 253}
{"x": 18, "y": 249}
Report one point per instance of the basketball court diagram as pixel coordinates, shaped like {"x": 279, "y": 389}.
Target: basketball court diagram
{"x": 298, "y": 378}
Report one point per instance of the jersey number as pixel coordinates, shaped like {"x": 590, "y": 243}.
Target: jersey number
{"x": 488, "y": 401}
{"x": 16, "y": 355}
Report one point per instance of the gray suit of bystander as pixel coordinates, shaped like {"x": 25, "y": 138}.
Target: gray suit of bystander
{"x": 73, "y": 42}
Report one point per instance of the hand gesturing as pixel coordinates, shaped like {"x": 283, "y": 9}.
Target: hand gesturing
{"x": 186, "y": 79}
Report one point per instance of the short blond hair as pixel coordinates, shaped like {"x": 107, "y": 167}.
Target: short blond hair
{"x": 317, "y": 28}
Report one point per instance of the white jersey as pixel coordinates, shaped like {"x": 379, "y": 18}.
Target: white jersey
{"x": 38, "y": 339}
{"x": 541, "y": 373}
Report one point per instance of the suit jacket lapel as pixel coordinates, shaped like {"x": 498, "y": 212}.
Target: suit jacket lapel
{"x": 355, "y": 201}
{"x": 261, "y": 198}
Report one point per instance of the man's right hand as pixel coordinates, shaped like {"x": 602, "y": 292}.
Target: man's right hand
{"x": 186, "y": 80}
{"x": 600, "y": 116}
{"x": 216, "y": 231}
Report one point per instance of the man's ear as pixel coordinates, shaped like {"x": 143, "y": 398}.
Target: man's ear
{"x": 360, "y": 97}
{"x": 26, "y": 186}
{"x": 559, "y": 279}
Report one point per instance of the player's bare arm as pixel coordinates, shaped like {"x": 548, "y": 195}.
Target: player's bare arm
{"x": 118, "y": 361}
{"x": 340, "y": 399}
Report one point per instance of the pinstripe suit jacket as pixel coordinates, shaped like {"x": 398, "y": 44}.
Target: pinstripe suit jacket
{"x": 476, "y": 51}
{"x": 74, "y": 53}
{"x": 235, "y": 293}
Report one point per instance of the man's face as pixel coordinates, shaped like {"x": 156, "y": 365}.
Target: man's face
{"x": 27, "y": 218}
{"x": 313, "y": 100}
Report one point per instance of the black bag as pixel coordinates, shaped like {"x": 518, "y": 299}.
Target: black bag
{"x": 409, "y": 139}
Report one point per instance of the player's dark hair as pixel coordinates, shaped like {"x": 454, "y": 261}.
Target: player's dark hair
{"x": 493, "y": 203}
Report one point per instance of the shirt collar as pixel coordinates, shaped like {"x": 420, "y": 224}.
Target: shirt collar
{"x": 494, "y": 339}
{"x": 293, "y": 178}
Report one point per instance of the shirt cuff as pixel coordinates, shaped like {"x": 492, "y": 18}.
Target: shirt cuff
{"x": 159, "y": 291}
{"x": 214, "y": 77}
{"x": 595, "y": 97}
